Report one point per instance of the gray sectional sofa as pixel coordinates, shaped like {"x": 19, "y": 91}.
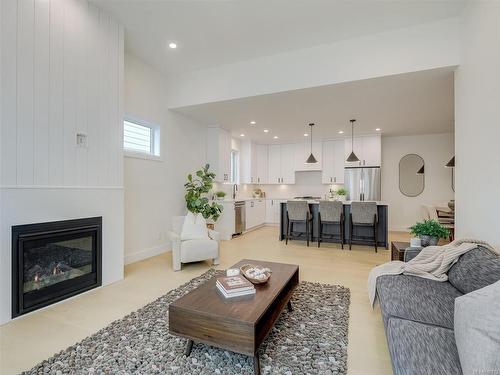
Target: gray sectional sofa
{"x": 419, "y": 313}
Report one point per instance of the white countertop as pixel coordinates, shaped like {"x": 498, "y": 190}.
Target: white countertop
{"x": 310, "y": 201}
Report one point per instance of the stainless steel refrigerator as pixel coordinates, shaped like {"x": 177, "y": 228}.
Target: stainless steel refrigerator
{"x": 362, "y": 183}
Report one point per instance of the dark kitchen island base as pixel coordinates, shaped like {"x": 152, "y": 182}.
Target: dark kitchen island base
{"x": 383, "y": 227}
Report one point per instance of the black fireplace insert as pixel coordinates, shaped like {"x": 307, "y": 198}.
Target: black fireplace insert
{"x": 53, "y": 261}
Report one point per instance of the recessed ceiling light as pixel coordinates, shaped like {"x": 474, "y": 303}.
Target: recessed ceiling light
{"x": 378, "y": 129}
{"x": 266, "y": 130}
{"x": 172, "y": 45}
{"x": 275, "y": 137}
{"x": 306, "y": 135}
{"x": 341, "y": 132}
{"x": 252, "y": 122}
{"x": 242, "y": 135}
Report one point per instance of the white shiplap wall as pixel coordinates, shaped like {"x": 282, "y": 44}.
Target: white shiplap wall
{"x": 62, "y": 64}
{"x": 62, "y": 74}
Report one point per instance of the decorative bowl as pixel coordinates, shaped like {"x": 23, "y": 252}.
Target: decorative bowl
{"x": 246, "y": 270}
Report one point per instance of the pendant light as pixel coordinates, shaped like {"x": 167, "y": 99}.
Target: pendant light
{"x": 352, "y": 157}
{"x": 311, "y": 159}
{"x": 451, "y": 163}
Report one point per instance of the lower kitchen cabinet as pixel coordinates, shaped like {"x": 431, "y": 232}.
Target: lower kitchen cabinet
{"x": 255, "y": 213}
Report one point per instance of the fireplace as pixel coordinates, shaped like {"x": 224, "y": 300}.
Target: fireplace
{"x": 53, "y": 261}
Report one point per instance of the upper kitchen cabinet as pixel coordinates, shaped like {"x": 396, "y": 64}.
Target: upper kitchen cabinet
{"x": 333, "y": 162}
{"x": 253, "y": 162}
{"x": 281, "y": 164}
{"x": 219, "y": 153}
{"x": 262, "y": 164}
{"x": 248, "y": 163}
{"x": 302, "y": 152}
{"x": 368, "y": 150}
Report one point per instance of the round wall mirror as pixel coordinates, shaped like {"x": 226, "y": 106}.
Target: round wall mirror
{"x": 411, "y": 175}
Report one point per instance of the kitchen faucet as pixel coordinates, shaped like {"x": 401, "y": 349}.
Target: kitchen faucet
{"x": 235, "y": 189}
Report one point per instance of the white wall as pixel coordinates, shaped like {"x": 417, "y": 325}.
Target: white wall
{"x": 154, "y": 190}
{"x": 405, "y": 50}
{"x": 477, "y": 123}
{"x": 61, "y": 73}
{"x": 436, "y": 150}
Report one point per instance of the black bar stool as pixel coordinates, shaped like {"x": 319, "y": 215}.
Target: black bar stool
{"x": 297, "y": 212}
{"x": 331, "y": 213}
{"x": 363, "y": 215}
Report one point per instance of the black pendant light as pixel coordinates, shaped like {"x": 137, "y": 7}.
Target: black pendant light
{"x": 352, "y": 157}
{"x": 451, "y": 163}
{"x": 421, "y": 170}
{"x": 311, "y": 159}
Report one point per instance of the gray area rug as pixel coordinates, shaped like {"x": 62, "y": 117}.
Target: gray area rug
{"x": 312, "y": 339}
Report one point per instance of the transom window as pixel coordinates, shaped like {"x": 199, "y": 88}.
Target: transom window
{"x": 140, "y": 137}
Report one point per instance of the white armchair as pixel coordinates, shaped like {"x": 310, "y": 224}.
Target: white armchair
{"x": 192, "y": 250}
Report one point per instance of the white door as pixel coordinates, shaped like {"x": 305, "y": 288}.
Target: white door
{"x": 262, "y": 164}
{"x": 328, "y": 162}
{"x": 338, "y": 162}
{"x": 249, "y": 214}
{"x": 372, "y": 151}
{"x": 269, "y": 211}
{"x": 274, "y": 164}
{"x": 260, "y": 206}
{"x": 287, "y": 164}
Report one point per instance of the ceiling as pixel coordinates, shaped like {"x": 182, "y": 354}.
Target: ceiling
{"x": 211, "y": 33}
{"x": 404, "y": 104}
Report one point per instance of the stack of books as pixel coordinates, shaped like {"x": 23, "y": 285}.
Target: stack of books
{"x": 234, "y": 286}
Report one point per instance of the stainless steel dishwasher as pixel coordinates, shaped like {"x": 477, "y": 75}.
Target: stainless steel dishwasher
{"x": 239, "y": 217}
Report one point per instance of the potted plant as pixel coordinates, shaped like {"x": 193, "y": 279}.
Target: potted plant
{"x": 429, "y": 231}
{"x": 341, "y": 194}
{"x": 197, "y": 188}
{"x": 219, "y": 195}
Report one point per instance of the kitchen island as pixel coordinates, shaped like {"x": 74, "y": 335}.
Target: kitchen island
{"x": 383, "y": 227}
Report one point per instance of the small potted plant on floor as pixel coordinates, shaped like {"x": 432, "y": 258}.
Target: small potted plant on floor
{"x": 429, "y": 232}
{"x": 341, "y": 194}
{"x": 197, "y": 189}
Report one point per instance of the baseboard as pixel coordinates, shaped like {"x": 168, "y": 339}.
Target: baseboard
{"x": 148, "y": 253}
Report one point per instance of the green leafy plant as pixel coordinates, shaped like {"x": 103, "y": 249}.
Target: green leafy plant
{"x": 197, "y": 188}
{"x": 220, "y": 194}
{"x": 430, "y": 228}
{"x": 341, "y": 191}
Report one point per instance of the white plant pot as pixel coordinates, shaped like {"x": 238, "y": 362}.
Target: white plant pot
{"x": 341, "y": 198}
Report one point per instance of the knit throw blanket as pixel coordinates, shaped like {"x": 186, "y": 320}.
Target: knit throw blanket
{"x": 433, "y": 262}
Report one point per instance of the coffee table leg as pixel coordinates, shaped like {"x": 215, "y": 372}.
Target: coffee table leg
{"x": 256, "y": 364}
{"x": 189, "y": 346}
{"x": 290, "y": 307}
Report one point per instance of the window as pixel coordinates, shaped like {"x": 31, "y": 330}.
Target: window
{"x": 234, "y": 167}
{"x": 139, "y": 137}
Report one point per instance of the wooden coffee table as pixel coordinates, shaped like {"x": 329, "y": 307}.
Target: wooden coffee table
{"x": 241, "y": 325}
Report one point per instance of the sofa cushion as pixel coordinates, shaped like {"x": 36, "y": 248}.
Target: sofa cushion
{"x": 196, "y": 250}
{"x": 477, "y": 330}
{"x": 474, "y": 270}
{"x": 418, "y": 299}
{"x": 421, "y": 349}
{"x": 194, "y": 227}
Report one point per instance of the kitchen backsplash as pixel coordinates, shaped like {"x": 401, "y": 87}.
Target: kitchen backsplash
{"x": 306, "y": 184}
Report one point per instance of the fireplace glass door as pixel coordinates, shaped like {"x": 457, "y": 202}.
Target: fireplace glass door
{"x": 54, "y": 264}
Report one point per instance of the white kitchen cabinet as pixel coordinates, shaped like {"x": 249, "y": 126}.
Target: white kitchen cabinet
{"x": 281, "y": 164}
{"x": 274, "y": 164}
{"x": 333, "y": 162}
{"x": 262, "y": 164}
{"x": 368, "y": 150}
{"x": 273, "y": 210}
{"x": 302, "y": 152}
{"x": 219, "y": 153}
{"x": 255, "y": 213}
{"x": 248, "y": 163}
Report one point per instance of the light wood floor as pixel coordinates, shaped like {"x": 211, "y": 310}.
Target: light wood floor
{"x": 33, "y": 338}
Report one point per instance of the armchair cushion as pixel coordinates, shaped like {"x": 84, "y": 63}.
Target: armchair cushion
{"x": 196, "y": 250}
{"x": 194, "y": 227}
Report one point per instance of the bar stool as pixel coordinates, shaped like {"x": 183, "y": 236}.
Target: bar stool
{"x": 331, "y": 213}
{"x": 297, "y": 212}
{"x": 363, "y": 215}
